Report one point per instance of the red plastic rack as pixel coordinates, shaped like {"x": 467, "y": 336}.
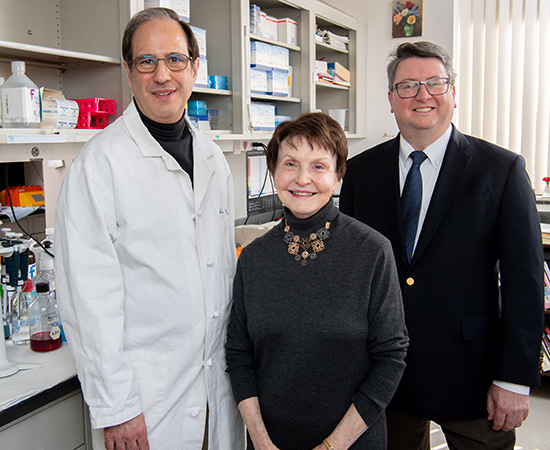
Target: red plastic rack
{"x": 93, "y": 112}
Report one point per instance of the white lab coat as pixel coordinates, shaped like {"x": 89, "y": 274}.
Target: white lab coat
{"x": 145, "y": 267}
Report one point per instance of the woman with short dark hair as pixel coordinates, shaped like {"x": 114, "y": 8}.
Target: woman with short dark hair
{"x": 316, "y": 339}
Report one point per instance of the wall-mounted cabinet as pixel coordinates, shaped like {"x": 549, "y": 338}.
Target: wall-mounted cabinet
{"x": 228, "y": 37}
{"x": 69, "y": 45}
{"x": 74, "y": 46}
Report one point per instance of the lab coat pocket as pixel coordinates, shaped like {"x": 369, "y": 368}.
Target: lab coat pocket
{"x": 152, "y": 373}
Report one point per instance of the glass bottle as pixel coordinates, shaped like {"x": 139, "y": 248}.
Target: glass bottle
{"x": 44, "y": 323}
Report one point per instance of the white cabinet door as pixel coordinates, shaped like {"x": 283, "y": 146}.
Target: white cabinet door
{"x": 58, "y": 425}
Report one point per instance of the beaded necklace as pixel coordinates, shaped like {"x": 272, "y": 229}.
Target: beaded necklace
{"x": 306, "y": 247}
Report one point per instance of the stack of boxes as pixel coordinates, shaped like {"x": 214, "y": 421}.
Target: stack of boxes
{"x": 198, "y": 114}
{"x": 283, "y": 30}
{"x": 270, "y": 72}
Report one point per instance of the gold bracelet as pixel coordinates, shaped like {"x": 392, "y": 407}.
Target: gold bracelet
{"x": 329, "y": 447}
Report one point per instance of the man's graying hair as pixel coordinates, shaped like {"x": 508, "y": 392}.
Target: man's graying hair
{"x": 421, "y": 49}
{"x": 152, "y": 14}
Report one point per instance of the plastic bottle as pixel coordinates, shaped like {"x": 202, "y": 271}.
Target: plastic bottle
{"x": 20, "y": 99}
{"x": 8, "y": 292}
{"x": 44, "y": 323}
{"x": 20, "y": 334}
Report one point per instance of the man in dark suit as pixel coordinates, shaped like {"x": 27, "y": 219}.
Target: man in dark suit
{"x": 471, "y": 266}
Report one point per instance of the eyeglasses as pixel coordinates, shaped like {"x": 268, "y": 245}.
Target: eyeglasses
{"x": 410, "y": 89}
{"x": 174, "y": 62}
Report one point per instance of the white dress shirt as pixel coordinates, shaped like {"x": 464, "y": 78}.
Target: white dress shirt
{"x": 429, "y": 171}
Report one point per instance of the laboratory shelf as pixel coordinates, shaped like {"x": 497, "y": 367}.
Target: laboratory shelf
{"x": 255, "y": 37}
{"x": 48, "y": 55}
{"x": 330, "y": 47}
{"x": 44, "y": 135}
{"x": 275, "y": 98}
{"x": 203, "y": 90}
{"x": 331, "y": 85}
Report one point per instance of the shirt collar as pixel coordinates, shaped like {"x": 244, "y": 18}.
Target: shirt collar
{"x": 435, "y": 151}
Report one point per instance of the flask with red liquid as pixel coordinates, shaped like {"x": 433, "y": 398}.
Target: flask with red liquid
{"x": 44, "y": 323}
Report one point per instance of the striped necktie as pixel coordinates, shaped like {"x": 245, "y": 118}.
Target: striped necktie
{"x": 411, "y": 200}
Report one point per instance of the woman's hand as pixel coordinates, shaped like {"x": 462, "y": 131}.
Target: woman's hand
{"x": 252, "y": 416}
{"x": 350, "y": 428}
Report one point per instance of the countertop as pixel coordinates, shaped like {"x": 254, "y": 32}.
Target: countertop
{"x": 27, "y": 390}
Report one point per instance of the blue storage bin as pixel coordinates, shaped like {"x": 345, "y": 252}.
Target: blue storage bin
{"x": 197, "y": 108}
{"x": 217, "y": 82}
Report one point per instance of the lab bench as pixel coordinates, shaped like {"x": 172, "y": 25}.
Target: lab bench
{"x": 43, "y": 407}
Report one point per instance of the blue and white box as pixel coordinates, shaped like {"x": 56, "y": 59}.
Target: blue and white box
{"x": 196, "y": 108}
{"x": 262, "y": 116}
{"x": 280, "y": 57}
{"x": 261, "y": 55}
{"x": 180, "y": 6}
{"x": 202, "y": 76}
{"x": 217, "y": 82}
{"x": 255, "y": 17}
{"x": 258, "y": 81}
{"x": 200, "y": 34}
{"x": 277, "y": 82}
{"x": 281, "y": 119}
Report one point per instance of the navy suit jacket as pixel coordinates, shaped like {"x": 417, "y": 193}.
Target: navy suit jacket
{"x": 466, "y": 329}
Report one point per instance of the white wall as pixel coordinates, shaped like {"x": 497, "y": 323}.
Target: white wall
{"x": 377, "y": 14}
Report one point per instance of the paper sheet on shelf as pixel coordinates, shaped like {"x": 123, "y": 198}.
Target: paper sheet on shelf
{"x": 20, "y": 211}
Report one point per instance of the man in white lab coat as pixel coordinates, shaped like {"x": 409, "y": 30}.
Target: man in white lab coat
{"x": 145, "y": 258}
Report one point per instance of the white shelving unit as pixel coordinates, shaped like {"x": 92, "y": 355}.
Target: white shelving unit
{"x": 74, "y": 46}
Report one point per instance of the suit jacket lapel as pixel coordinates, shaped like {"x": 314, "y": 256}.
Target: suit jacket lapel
{"x": 455, "y": 165}
{"x": 388, "y": 178}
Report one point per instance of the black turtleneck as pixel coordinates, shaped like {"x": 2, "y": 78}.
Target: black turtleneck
{"x": 175, "y": 138}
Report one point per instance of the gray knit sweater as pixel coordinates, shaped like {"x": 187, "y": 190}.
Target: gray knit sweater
{"x": 310, "y": 340}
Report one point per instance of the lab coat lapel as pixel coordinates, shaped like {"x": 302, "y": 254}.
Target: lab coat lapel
{"x": 388, "y": 178}
{"x": 203, "y": 168}
{"x": 455, "y": 165}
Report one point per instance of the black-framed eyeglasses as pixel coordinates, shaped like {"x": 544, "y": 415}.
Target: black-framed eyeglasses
{"x": 148, "y": 64}
{"x": 410, "y": 89}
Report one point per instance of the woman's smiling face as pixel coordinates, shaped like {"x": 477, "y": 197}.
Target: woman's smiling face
{"x": 305, "y": 177}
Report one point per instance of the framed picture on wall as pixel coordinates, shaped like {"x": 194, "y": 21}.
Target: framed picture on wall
{"x": 407, "y": 18}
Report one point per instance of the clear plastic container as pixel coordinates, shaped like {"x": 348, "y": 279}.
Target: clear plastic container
{"x": 20, "y": 99}
{"x": 20, "y": 334}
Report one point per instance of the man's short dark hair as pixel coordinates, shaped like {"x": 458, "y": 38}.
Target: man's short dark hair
{"x": 152, "y": 14}
{"x": 421, "y": 49}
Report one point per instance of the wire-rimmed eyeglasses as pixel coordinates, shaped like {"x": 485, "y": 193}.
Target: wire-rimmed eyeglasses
{"x": 148, "y": 64}
{"x": 410, "y": 89}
